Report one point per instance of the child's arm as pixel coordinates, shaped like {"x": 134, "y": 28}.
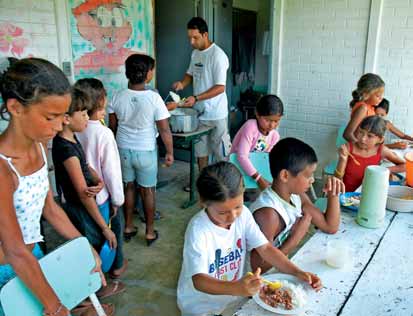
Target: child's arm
{"x": 247, "y": 286}
{"x": 400, "y": 164}
{"x": 274, "y": 256}
{"x": 113, "y": 123}
{"x": 98, "y": 183}
{"x": 330, "y": 221}
{"x": 165, "y": 132}
{"x": 297, "y": 233}
{"x": 270, "y": 224}
{"x": 354, "y": 123}
{"x": 73, "y": 168}
{"x": 343, "y": 153}
{"x": 398, "y": 132}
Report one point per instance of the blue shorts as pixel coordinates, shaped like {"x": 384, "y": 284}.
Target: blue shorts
{"x": 139, "y": 166}
{"x": 7, "y": 272}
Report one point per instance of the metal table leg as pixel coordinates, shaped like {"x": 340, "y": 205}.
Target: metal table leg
{"x": 192, "y": 193}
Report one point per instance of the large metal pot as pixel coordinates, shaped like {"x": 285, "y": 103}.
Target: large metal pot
{"x": 183, "y": 120}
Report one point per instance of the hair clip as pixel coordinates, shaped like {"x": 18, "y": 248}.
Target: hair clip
{"x": 4, "y": 64}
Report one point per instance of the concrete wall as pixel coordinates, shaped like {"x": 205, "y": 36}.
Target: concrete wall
{"x": 325, "y": 46}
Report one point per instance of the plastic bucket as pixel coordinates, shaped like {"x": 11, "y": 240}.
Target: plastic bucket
{"x": 409, "y": 168}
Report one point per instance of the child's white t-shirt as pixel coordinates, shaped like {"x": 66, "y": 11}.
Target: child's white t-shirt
{"x": 137, "y": 113}
{"x": 209, "y": 68}
{"x": 208, "y": 247}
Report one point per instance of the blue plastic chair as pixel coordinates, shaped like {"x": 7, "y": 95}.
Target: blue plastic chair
{"x": 261, "y": 162}
{"x": 68, "y": 271}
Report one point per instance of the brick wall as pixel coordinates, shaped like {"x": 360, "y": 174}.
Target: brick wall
{"x": 323, "y": 51}
{"x": 37, "y": 22}
{"x": 395, "y": 61}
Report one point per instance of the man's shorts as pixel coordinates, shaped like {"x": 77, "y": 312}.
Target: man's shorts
{"x": 217, "y": 142}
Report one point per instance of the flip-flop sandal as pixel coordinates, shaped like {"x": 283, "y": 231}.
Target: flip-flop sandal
{"x": 150, "y": 241}
{"x": 127, "y": 236}
{"x": 121, "y": 270}
{"x": 84, "y": 305}
{"x": 113, "y": 288}
{"x": 91, "y": 311}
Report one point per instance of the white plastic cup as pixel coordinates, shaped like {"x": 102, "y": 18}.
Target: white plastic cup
{"x": 338, "y": 253}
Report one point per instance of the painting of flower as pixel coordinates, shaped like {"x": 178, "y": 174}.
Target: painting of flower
{"x": 11, "y": 40}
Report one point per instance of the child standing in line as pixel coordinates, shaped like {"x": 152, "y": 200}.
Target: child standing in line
{"x": 259, "y": 135}
{"x": 36, "y": 95}
{"x": 369, "y": 93}
{"x": 367, "y": 150}
{"x": 283, "y": 211}
{"x": 102, "y": 154}
{"x": 79, "y": 182}
{"x": 216, "y": 242}
{"x": 135, "y": 116}
{"x": 382, "y": 109}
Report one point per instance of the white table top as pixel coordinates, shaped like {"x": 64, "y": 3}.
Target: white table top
{"x": 384, "y": 254}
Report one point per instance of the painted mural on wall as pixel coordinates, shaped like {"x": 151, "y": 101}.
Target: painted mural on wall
{"x": 105, "y": 33}
{"x": 13, "y": 41}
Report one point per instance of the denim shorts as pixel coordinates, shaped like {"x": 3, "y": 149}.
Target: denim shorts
{"x": 7, "y": 272}
{"x": 139, "y": 166}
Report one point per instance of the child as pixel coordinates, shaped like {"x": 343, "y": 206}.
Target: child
{"x": 135, "y": 114}
{"x": 216, "y": 242}
{"x": 382, "y": 109}
{"x": 36, "y": 94}
{"x": 283, "y": 211}
{"x": 258, "y": 134}
{"x": 369, "y": 93}
{"x": 367, "y": 150}
{"x": 102, "y": 154}
{"x": 79, "y": 182}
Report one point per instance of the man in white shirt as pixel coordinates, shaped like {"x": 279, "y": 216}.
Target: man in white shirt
{"x": 208, "y": 74}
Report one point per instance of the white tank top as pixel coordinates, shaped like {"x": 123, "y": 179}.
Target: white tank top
{"x": 29, "y": 199}
{"x": 289, "y": 212}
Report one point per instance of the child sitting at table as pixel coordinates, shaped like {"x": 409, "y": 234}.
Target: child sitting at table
{"x": 367, "y": 150}
{"x": 382, "y": 109}
{"x": 79, "y": 182}
{"x": 136, "y": 115}
{"x": 369, "y": 93}
{"x": 216, "y": 242}
{"x": 102, "y": 155}
{"x": 259, "y": 135}
{"x": 283, "y": 211}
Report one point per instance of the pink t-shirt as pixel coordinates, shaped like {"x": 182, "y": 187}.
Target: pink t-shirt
{"x": 249, "y": 139}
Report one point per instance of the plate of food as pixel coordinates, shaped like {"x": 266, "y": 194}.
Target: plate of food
{"x": 288, "y": 298}
{"x": 350, "y": 200}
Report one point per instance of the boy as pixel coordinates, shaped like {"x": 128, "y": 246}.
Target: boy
{"x": 79, "y": 183}
{"x": 382, "y": 110}
{"x": 216, "y": 243}
{"x": 283, "y": 211}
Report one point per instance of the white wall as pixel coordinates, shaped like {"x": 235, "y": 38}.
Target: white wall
{"x": 395, "y": 60}
{"x": 323, "y": 48}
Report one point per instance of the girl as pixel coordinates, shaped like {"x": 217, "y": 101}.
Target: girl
{"x": 259, "y": 134}
{"x": 135, "y": 116}
{"x": 36, "y": 96}
{"x": 382, "y": 109}
{"x": 102, "y": 154}
{"x": 369, "y": 93}
{"x": 367, "y": 150}
{"x": 216, "y": 243}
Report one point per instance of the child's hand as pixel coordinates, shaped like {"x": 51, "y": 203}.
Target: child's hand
{"x": 334, "y": 186}
{"x": 93, "y": 190}
{"x": 110, "y": 236}
{"x": 399, "y": 145}
{"x": 177, "y": 86}
{"x": 311, "y": 279}
{"x": 343, "y": 152}
{"x": 189, "y": 102}
{"x": 263, "y": 184}
{"x": 171, "y": 106}
{"x": 250, "y": 284}
{"x": 98, "y": 266}
{"x": 169, "y": 159}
